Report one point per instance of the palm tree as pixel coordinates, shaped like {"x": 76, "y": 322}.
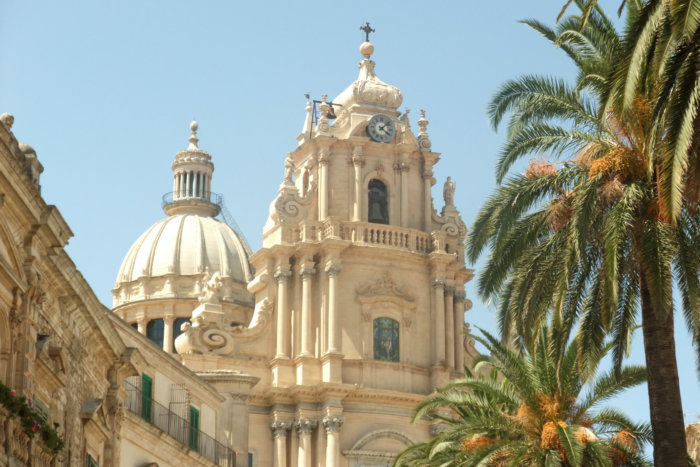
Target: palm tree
{"x": 585, "y": 240}
{"x": 530, "y": 411}
{"x": 661, "y": 57}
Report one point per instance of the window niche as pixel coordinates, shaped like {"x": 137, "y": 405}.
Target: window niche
{"x": 388, "y": 310}
{"x": 386, "y": 340}
{"x": 377, "y": 202}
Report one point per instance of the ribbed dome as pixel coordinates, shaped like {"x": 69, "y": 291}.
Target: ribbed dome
{"x": 186, "y": 245}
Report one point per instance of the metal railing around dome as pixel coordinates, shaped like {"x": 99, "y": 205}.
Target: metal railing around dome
{"x": 214, "y": 198}
{"x": 177, "y": 427}
{"x": 217, "y": 199}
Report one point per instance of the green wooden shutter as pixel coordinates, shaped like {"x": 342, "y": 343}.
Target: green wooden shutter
{"x": 90, "y": 462}
{"x": 146, "y": 397}
{"x": 194, "y": 428}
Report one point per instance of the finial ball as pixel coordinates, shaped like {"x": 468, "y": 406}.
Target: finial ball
{"x": 194, "y": 126}
{"x": 366, "y": 49}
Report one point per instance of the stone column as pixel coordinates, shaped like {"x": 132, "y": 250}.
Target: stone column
{"x": 141, "y": 323}
{"x": 323, "y": 184}
{"x": 282, "y": 275}
{"x": 307, "y": 273}
{"x": 279, "y": 434}
{"x": 304, "y": 428}
{"x": 439, "y": 323}
{"x": 450, "y": 326}
{"x": 459, "y": 326}
{"x": 168, "y": 333}
{"x": 332, "y": 425}
{"x": 358, "y": 161}
{"x": 333, "y": 269}
{"x": 405, "y": 167}
{"x": 427, "y": 197}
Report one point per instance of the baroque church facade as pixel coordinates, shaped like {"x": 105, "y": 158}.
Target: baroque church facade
{"x": 313, "y": 350}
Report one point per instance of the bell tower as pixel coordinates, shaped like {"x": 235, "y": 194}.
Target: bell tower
{"x": 364, "y": 278}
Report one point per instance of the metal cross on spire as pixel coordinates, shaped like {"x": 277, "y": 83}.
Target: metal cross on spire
{"x": 367, "y": 29}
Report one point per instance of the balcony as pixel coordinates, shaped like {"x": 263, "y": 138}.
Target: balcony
{"x": 177, "y": 427}
{"x": 361, "y": 233}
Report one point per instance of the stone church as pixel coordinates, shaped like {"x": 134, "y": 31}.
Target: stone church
{"x": 313, "y": 350}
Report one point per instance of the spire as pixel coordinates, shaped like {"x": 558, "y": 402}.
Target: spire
{"x": 192, "y": 171}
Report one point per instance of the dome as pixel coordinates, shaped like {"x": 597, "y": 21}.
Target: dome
{"x": 179, "y": 246}
{"x": 187, "y": 245}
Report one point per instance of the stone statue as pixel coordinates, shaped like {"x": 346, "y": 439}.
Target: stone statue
{"x": 448, "y": 192}
{"x": 288, "y": 169}
{"x": 211, "y": 285}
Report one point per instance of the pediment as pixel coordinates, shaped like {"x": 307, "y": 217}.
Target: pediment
{"x": 385, "y": 290}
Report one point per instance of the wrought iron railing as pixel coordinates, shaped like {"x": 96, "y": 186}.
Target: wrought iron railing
{"x": 177, "y": 427}
{"x": 214, "y": 198}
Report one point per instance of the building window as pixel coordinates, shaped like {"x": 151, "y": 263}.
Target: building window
{"x": 176, "y": 329}
{"x": 378, "y": 202}
{"x": 386, "y": 340}
{"x": 194, "y": 429}
{"x": 90, "y": 461}
{"x": 154, "y": 331}
{"x": 41, "y": 409}
{"x": 146, "y": 397}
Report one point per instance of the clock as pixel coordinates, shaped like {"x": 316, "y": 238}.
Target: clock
{"x": 381, "y": 128}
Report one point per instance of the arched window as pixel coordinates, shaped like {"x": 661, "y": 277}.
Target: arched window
{"x": 378, "y": 202}
{"x": 305, "y": 182}
{"x": 154, "y": 331}
{"x": 386, "y": 340}
{"x": 176, "y": 329}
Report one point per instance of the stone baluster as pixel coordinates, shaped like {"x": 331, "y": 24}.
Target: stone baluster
{"x": 304, "y": 428}
{"x": 279, "y": 434}
{"x": 282, "y": 275}
{"x": 332, "y": 426}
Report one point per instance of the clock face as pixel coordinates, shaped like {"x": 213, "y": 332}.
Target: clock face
{"x": 381, "y": 128}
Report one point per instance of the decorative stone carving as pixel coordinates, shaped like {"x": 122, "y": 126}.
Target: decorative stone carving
{"x": 333, "y": 269}
{"x": 468, "y": 341}
{"x": 333, "y": 424}
{"x": 280, "y": 427}
{"x": 288, "y": 169}
{"x": 424, "y": 143}
{"x": 283, "y": 275}
{"x": 8, "y": 120}
{"x": 259, "y": 322}
{"x": 385, "y": 287}
{"x": 438, "y": 283}
{"x": 210, "y": 288}
{"x": 305, "y": 426}
{"x": 290, "y": 206}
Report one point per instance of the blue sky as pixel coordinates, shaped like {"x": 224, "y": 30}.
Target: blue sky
{"x": 105, "y": 91}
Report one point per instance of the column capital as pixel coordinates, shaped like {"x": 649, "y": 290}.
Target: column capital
{"x": 307, "y": 272}
{"x": 333, "y": 424}
{"x": 333, "y": 268}
{"x": 282, "y": 275}
{"x": 450, "y": 290}
{"x": 305, "y": 426}
{"x": 280, "y": 427}
{"x": 323, "y": 156}
{"x": 460, "y": 295}
{"x": 438, "y": 283}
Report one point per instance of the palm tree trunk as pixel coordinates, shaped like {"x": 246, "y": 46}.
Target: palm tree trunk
{"x": 665, "y": 406}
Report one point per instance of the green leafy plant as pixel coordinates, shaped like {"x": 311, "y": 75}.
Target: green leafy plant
{"x": 31, "y": 422}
